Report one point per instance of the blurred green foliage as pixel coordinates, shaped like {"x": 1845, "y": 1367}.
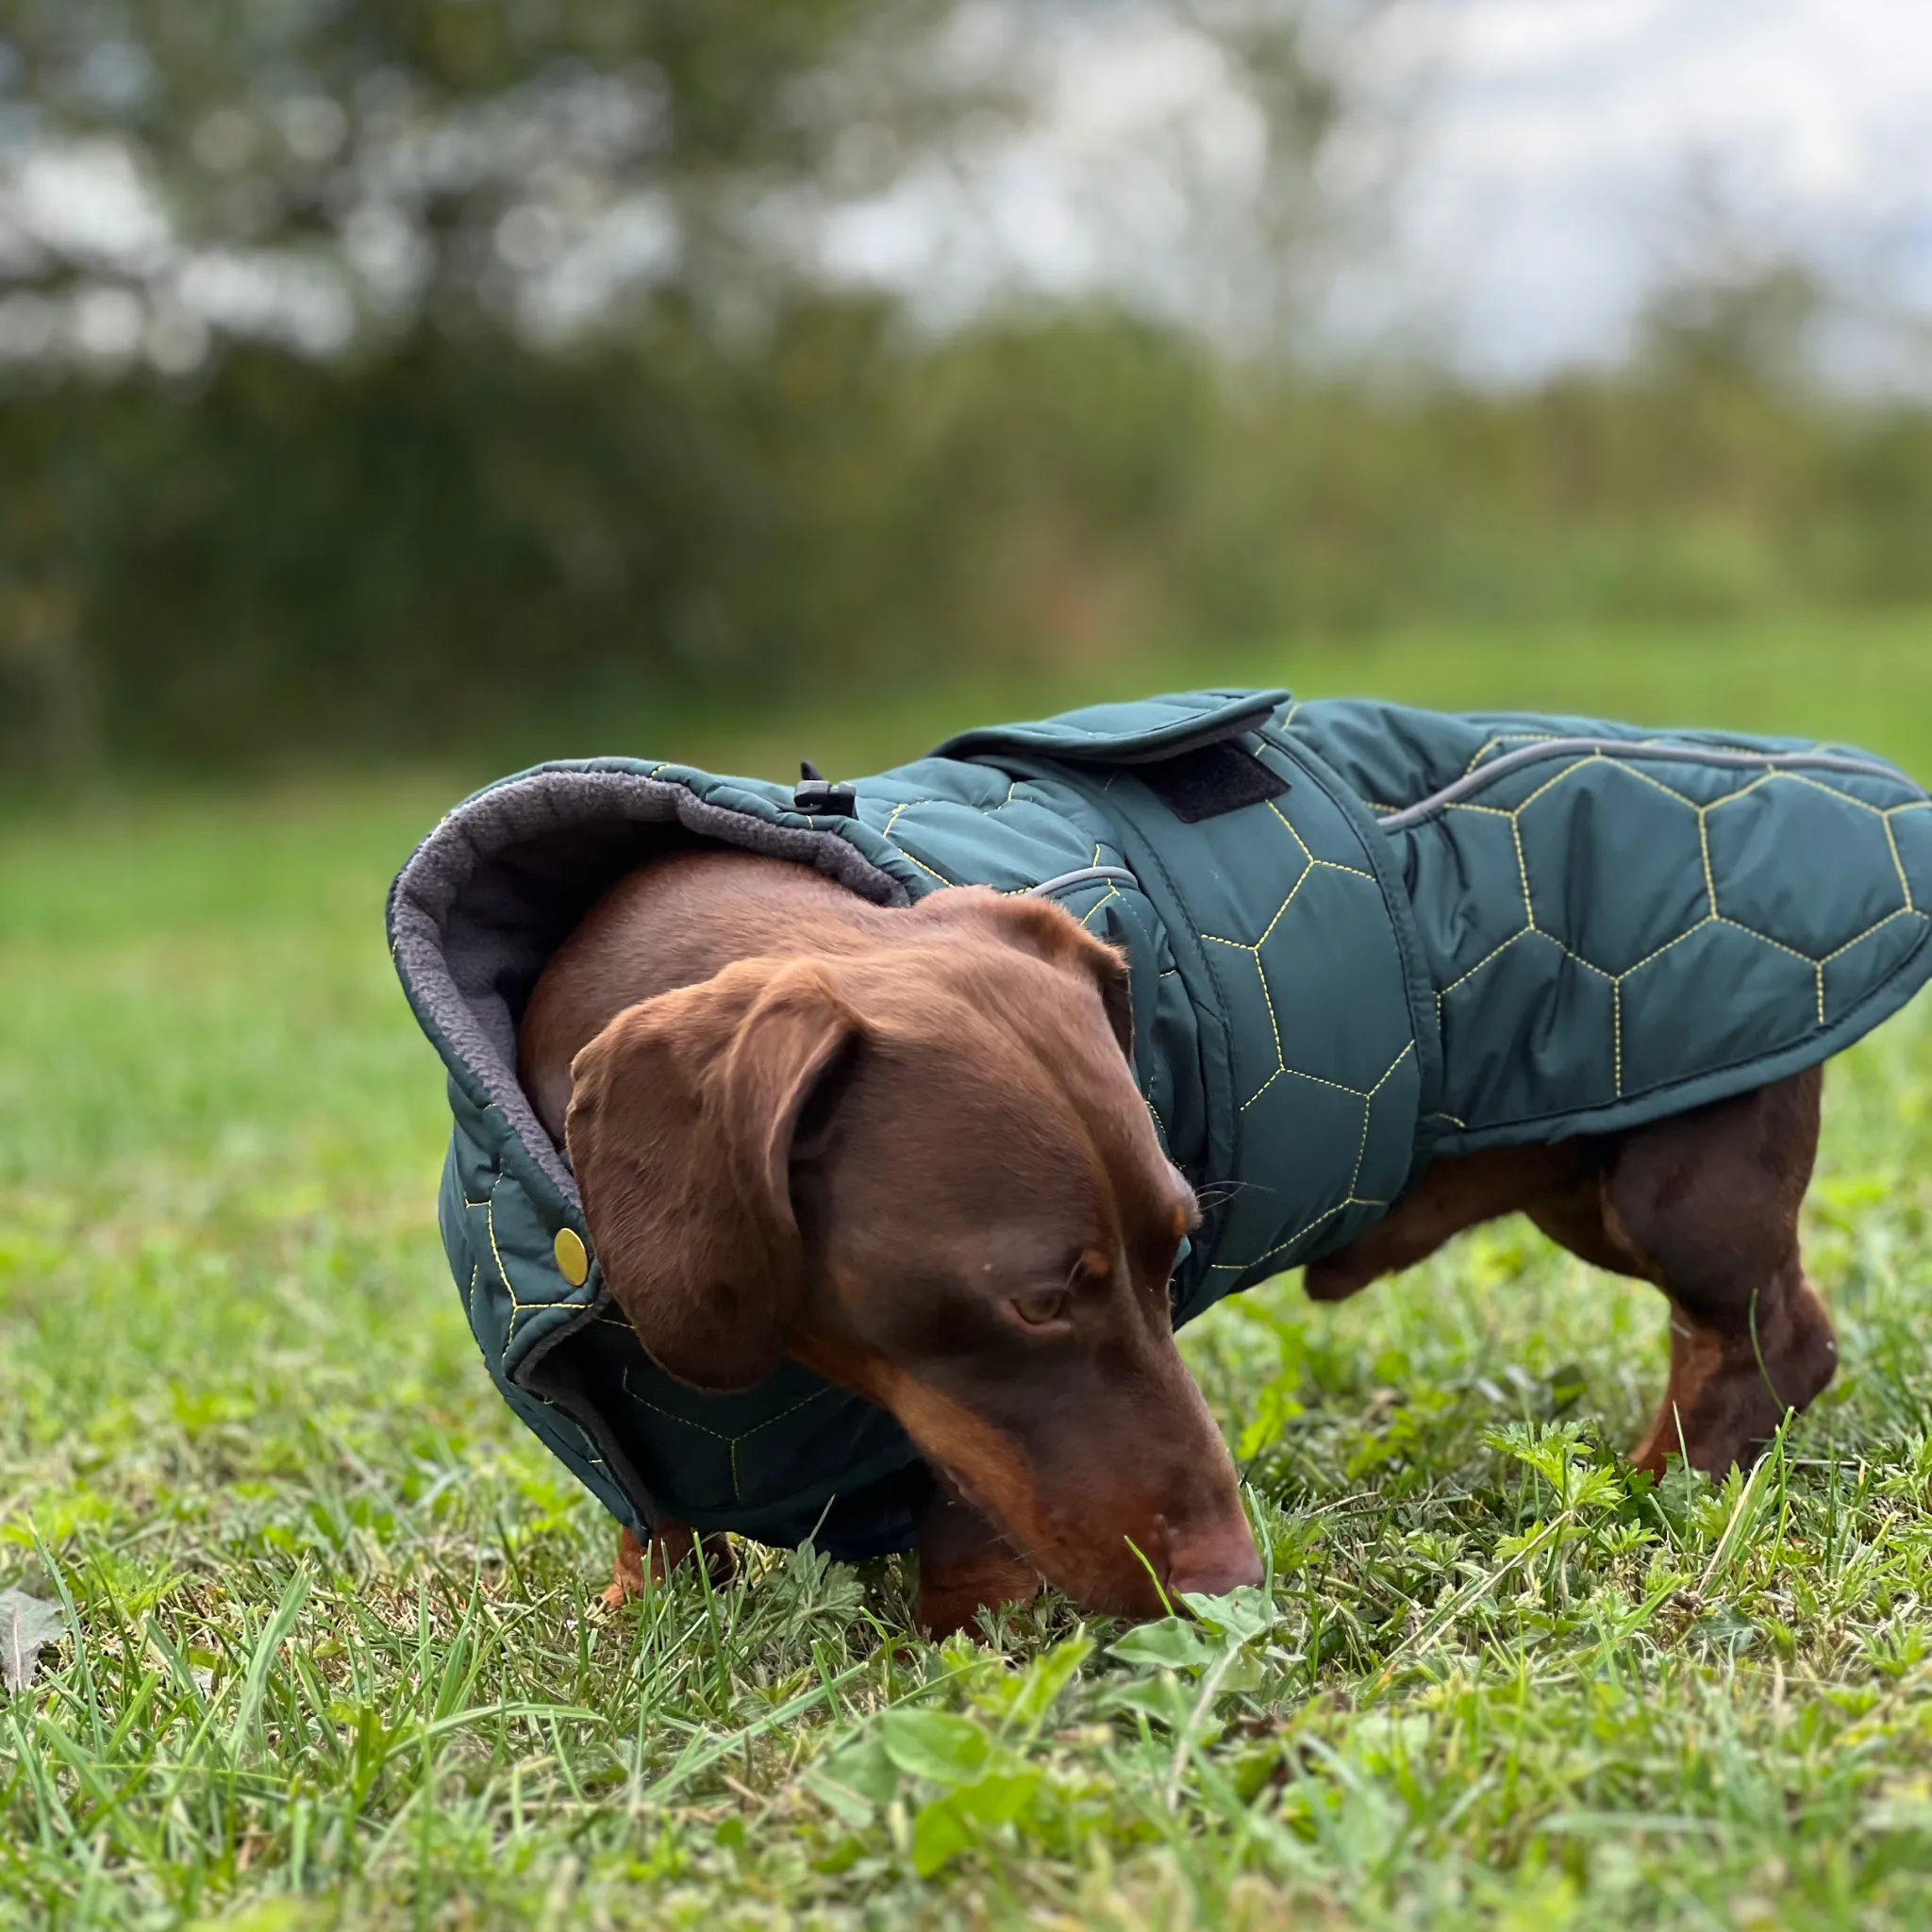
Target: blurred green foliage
{"x": 740, "y": 486}
{"x": 402, "y": 552}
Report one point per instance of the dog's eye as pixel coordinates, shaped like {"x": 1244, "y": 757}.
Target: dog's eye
{"x": 1036, "y": 1311}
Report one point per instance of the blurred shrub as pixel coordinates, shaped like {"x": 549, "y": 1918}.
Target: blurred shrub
{"x": 451, "y": 497}
{"x": 398, "y": 552}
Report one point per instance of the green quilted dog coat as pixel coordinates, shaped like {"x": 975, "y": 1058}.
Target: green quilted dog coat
{"x": 1358, "y": 936}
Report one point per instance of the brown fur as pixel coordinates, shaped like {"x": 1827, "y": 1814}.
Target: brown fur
{"x": 806, "y": 1125}
{"x": 866, "y": 1138}
{"x": 1701, "y": 1205}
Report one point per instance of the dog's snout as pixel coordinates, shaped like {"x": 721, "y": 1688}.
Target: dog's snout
{"x": 1214, "y": 1561}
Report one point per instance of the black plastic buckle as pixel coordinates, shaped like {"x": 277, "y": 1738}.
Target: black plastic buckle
{"x": 817, "y": 795}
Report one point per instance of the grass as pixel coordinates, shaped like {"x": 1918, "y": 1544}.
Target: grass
{"x": 332, "y": 1656}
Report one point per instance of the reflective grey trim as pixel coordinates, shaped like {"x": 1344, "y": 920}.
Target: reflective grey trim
{"x": 1625, "y": 748}
{"x": 1087, "y": 875}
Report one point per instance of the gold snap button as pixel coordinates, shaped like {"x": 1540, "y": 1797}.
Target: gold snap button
{"x": 573, "y": 1258}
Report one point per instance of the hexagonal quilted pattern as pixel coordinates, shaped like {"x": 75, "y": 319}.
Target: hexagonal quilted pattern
{"x": 1607, "y": 930}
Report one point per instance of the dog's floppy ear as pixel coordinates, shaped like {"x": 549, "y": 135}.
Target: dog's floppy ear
{"x": 1049, "y": 932}
{"x": 683, "y": 1117}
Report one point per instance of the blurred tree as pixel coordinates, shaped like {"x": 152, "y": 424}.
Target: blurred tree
{"x": 436, "y": 347}
{"x": 384, "y": 375}
{"x": 520, "y": 157}
{"x": 1754, "y": 327}
{"x": 441, "y": 350}
{"x": 424, "y": 195}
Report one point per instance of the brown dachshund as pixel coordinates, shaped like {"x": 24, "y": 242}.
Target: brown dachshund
{"x": 906, "y": 1148}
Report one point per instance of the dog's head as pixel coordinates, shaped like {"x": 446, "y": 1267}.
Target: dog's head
{"x": 925, "y": 1171}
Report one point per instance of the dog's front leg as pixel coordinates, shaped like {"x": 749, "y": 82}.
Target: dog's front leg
{"x": 964, "y": 1564}
{"x": 671, "y": 1545}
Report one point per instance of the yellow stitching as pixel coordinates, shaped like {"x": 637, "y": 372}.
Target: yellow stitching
{"x": 1255, "y": 1096}
{"x": 1390, "y": 1075}
{"x": 1114, "y": 891}
{"x": 1443, "y": 993}
{"x": 1829, "y": 790}
{"x": 1283, "y": 1069}
{"x": 1903, "y": 912}
{"x": 1827, "y": 958}
{"x": 922, "y": 865}
{"x": 1507, "y": 738}
{"x": 1714, "y": 915}
{"x": 1302, "y": 1233}
{"x": 1292, "y": 832}
{"x": 1654, "y": 783}
{"x": 907, "y": 804}
{"x": 1361, "y": 1151}
{"x": 645, "y": 1402}
{"x": 1898, "y": 864}
{"x": 731, "y": 1442}
{"x": 1742, "y": 791}
{"x": 1329, "y": 864}
{"x": 771, "y": 1421}
{"x": 1320, "y": 1080}
{"x": 1576, "y": 959}
{"x": 1738, "y": 927}
{"x": 1261, "y": 973}
{"x": 489, "y": 1221}
{"x": 1617, "y": 1034}
{"x": 1569, "y": 772}
{"x": 1495, "y": 811}
{"x": 1658, "y": 953}
{"x": 1522, "y": 870}
{"x": 1299, "y": 883}
{"x": 516, "y": 1307}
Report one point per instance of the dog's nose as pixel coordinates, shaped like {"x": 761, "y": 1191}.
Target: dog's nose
{"x": 1214, "y": 1562}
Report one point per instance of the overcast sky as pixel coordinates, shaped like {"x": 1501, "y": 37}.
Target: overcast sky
{"x": 1547, "y": 157}
{"x": 1549, "y": 174}
{"x": 1558, "y": 162}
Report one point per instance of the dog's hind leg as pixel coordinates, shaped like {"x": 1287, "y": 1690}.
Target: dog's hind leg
{"x": 1705, "y": 1205}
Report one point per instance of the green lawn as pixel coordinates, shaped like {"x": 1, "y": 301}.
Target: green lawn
{"x": 332, "y": 1656}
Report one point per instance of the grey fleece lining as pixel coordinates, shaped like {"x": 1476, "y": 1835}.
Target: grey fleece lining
{"x": 494, "y": 890}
